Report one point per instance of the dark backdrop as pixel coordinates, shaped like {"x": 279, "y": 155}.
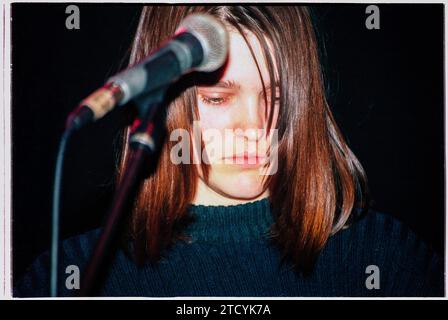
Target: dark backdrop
{"x": 384, "y": 86}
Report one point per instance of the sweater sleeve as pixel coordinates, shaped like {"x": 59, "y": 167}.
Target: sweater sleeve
{"x": 74, "y": 251}
{"x": 35, "y": 282}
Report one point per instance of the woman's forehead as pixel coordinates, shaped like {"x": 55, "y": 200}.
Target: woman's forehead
{"x": 241, "y": 69}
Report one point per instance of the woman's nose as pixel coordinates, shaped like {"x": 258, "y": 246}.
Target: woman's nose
{"x": 250, "y": 117}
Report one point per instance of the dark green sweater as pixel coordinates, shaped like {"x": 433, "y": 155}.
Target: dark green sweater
{"x": 230, "y": 256}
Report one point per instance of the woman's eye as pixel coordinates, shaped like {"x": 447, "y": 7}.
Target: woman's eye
{"x": 214, "y": 101}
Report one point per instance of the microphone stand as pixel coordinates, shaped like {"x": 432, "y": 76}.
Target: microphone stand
{"x": 144, "y": 144}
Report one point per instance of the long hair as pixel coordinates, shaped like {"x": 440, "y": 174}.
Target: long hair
{"x": 319, "y": 180}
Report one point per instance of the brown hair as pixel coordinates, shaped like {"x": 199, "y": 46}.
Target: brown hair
{"x": 319, "y": 180}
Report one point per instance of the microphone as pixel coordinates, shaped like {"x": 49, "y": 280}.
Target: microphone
{"x": 200, "y": 44}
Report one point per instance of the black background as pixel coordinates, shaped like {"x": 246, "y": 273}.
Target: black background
{"x": 384, "y": 86}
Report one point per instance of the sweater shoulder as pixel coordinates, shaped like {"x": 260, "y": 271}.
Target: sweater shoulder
{"x": 381, "y": 232}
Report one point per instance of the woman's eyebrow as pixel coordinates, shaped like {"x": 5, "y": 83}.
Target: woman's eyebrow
{"x": 228, "y": 84}
{"x": 231, "y": 84}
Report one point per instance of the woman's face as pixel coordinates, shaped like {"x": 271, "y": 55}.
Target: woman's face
{"x": 233, "y": 117}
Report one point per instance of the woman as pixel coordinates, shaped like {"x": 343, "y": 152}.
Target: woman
{"x": 276, "y": 207}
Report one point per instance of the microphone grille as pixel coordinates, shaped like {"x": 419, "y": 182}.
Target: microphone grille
{"x": 213, "y": 37}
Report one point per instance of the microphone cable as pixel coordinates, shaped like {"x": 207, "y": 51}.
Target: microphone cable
{"x": 55, "y": 217}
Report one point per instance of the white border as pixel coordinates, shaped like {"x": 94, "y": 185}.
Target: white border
{"x": 5, "y": 156}
{"x": 5, "y": 150}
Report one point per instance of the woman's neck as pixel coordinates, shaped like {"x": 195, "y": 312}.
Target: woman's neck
{"x": 206, "y": 196}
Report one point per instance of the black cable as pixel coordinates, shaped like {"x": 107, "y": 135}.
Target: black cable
{"x": 56, "y": 213}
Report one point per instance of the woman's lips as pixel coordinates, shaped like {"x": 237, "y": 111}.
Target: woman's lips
{"x": 246, "y": 161}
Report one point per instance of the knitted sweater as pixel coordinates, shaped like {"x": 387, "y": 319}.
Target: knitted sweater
{"x": 229, "y": 255}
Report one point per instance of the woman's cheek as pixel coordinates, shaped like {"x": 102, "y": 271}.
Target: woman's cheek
{"x": 214, "y": 117}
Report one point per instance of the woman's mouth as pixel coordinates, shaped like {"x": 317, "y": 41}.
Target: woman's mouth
{"x": 245, "y": 160}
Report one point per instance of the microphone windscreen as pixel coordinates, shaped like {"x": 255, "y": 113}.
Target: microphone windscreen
{"x": 213, "y": 37}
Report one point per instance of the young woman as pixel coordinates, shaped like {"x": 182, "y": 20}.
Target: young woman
{"x": 277, "y": 206}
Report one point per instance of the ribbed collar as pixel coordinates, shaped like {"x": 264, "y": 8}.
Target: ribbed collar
{"x": 241, "y": 222}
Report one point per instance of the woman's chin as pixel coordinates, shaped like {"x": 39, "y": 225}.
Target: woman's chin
{"x": 244, "y": 187}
